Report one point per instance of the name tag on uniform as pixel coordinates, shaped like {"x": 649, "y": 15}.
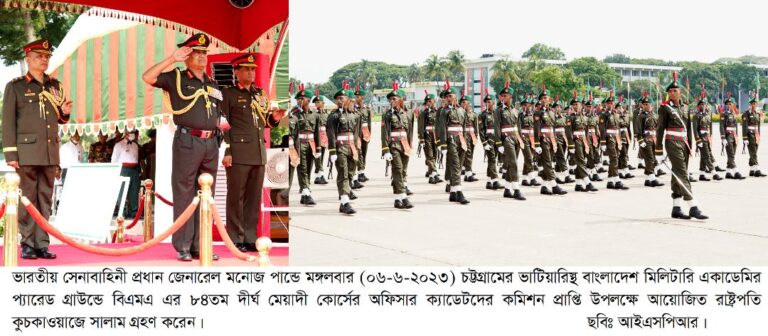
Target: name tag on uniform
{"x": 215, "y": 93}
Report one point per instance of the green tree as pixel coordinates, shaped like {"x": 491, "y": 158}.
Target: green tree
{"x": 592, "y": 71}
{"x": 21, "y": 26}
{"x": 454, "y": 61}
{"x": 617, "y": 58}
{"x": 365, "y": 73}
{"x": 544, "y": 52}
{"x": 415, "y": 73}
{"x": 560, "y": 81}
{"x": 434, "y": 68}
{"x": 504, "y": 70}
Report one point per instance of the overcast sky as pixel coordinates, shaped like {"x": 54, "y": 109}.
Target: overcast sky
{"x": 326, "y": 35}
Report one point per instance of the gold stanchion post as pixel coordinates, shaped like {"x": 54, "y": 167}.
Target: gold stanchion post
{"x": 10, "y": 242}
{"x": 264, "y": 245}
{"x": 149, "y": 230}
{"x": 120, "y": 236}
{"x": 206, "y": 220}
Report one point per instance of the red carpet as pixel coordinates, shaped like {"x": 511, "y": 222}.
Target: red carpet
{"x": 161, "y": 255}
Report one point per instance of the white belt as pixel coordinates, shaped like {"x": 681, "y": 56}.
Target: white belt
{"x": 509, "y": 129}
{"x": 290, "y": 142}
{"x": 648, "y": 132}
{"x": 308, "y": 136}
{"x": 343, "y": 138}
{"x": 560, "y": 129}
{"x": 703, "y": 132}
{"x": 397, "y": 134}
{"x": 527, "y": 131}
{"x": 455, "y": 129}
{"x": 612, "y": 131}
{"x": 579, "y": 133}
{"x": 752, "y": 127}
{"x": 322, "y": 128}
{"x": 430, "y": 128}
{"x": 730, "y": 128}
{"x": 490, "y": 131}
{"x": 546, "y": 130}
{"x": 624, "y": 129}
{"x": 470, "y": 129}
{"x": 365, "y": 124}
{"x": 677, "y": 133}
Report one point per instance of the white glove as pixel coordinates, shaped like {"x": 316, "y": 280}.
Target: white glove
{"x": 538, "y": 150}
{"x": 445, "y": 152}
{"x": 699, "y": 144}
{"x": 334, "y": 157}
{"x": 487, "y": 147}
{"x": 642, "y": 145}
{"x": 388, "y": 156}
{"x": 501, "y": 149}
{"x": 316, "y": 155}
{"x": 572, "y": 151}
{"x": 603, "y": 148}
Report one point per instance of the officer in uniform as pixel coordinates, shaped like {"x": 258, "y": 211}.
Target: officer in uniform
{"x": 579, "y": 146}
{"x": 395, "y": 145}
{"x": 33, "y": 106}
{"x": 645, "y": 134}
{"x": 702, "y": 131}
{"x": 306, "y": 135}
{"x": 673, "y": 119}
{"x": 366, "y": 120}
{"x": 486, "y": 123}
{"x": 195, "y": 101}
{"x": 246, "y": 108}
{"x": 427, "y": 137}
{"x": 546, "y": 144}
{"x": 526, "y": 120}
{"x": 507, "y": 141}
{"x": 729, "y": 132}
{"x": 343, "y": 129}
{"x": 319, "y": 102}
{"x": 562, "y": 124}
{"x": 594, "y": 162}
{"x": 450, "y": 129}
{"x": 625, "y": 133}
{"x": 471, "y": 136}
{"x": 751, "y": 120}
{"x": 411, "y": 122}
{"x": 100, "y": 152}
{"x": 610, "y": 142}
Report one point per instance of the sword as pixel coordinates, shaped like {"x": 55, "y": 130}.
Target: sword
{"x": 679, "y": 180}
{"x": 722, "y": 148}
{"x": 439, "y": 159}
{"x": 418, "y": 150}
{"x": 386, "y": 168}
{"x": 743, "y": 147}
{"x": 330, "y": 168}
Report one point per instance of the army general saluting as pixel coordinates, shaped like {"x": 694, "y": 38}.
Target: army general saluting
{"x": 33, "y": 106}
{"x": 195, "y": 103}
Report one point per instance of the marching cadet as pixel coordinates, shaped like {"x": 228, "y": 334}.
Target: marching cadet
{"x": 319, "y": 102}
{"x": 411, "y": 121}
{"x": 673, "y": 120}
{"x": 486, "y": 122}
{"x": 526, "y": 120}
{"x": 507, "y": 140}
{"x": 305, "y": 132}
{"x": 197, "y": 139}
{"x": 245, "y": 107}
{"x": 471, "y": 136}
{"x": 751, "y": 120}
{"x": 366, "y": 120}
{"x": 450, "y": 130}
{"x": 594, "y": 161}
{"x": 343, "y": 128}
{"x": 610, "y": 142}
{"x": 626, "y": 135}
{"x": 33, "y": 106}
{"x": 100, "y": 152}
{"x": 546, "y": 144}
{"x": 645, "y": 134}
{"x": 728, "y": 133}
{"x": 562, "y": 124}
{"x": 427, "y": 137}
{"x": 579, "y": 146}
{"x": 702, "y": 132}
{"x": 396, "y": 148}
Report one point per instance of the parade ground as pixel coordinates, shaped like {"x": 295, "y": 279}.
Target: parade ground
{"x": 610, "y": 227}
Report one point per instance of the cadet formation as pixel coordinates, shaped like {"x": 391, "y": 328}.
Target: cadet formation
{"x": 561, "y": 141}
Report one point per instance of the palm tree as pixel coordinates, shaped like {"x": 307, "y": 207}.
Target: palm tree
{"x": 434, "y": 68}
{"x": 455, "y": 61}
{"x": 365, "y": 73}
{"x": 414, "y": 73}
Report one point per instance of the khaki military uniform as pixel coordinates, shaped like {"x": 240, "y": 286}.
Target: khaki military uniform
{"x": 100, "y": 153}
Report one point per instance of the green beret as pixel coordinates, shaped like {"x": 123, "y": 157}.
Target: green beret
{"x": 340, "y": 93}
{"x": 301, "y": 94}
{"x": 350, "y": 93}
{"x": 430, "y": 96}
{"x": 318, "y": 98}
{"x": 754, "y": 100}
{"x": 463, "y": 98}
{"x": 489, "y": 97}
{"x": 361, "y": 92}
{"x": 505, "y": 90}
{"x": 449, "y": 91}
